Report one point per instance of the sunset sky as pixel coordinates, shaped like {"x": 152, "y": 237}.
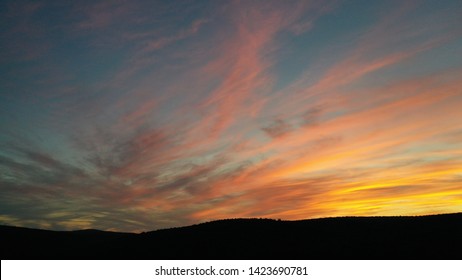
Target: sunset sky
{"x": 140, "y": 115}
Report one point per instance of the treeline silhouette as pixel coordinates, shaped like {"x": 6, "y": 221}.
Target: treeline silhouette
{"x": 424, "y": 237}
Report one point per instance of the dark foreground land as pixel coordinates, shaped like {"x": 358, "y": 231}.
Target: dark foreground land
{"x": 426, "y": 237}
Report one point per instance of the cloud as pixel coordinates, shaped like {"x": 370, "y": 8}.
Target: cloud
{"x": 312, "y": 116}
{"x": 244, "y": 65}
{"x": 22, "y": 34}
{"x": 277, "y": 128}
{"x": 33, "y": 167}
{"x": 159, "y": 43}
{"x": 99, "y": 15}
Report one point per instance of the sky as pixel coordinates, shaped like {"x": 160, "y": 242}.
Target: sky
{"x": 140, "y": 115}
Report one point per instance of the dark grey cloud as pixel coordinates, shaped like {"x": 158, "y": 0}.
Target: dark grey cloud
{"x": 312, "y": 116}
{"x": 277, "y": 128}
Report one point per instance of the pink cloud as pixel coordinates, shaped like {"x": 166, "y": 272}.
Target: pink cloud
{"x": 159, "y": 43}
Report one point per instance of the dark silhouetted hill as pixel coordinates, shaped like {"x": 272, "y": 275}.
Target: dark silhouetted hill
{"x": 425, "y": 237}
